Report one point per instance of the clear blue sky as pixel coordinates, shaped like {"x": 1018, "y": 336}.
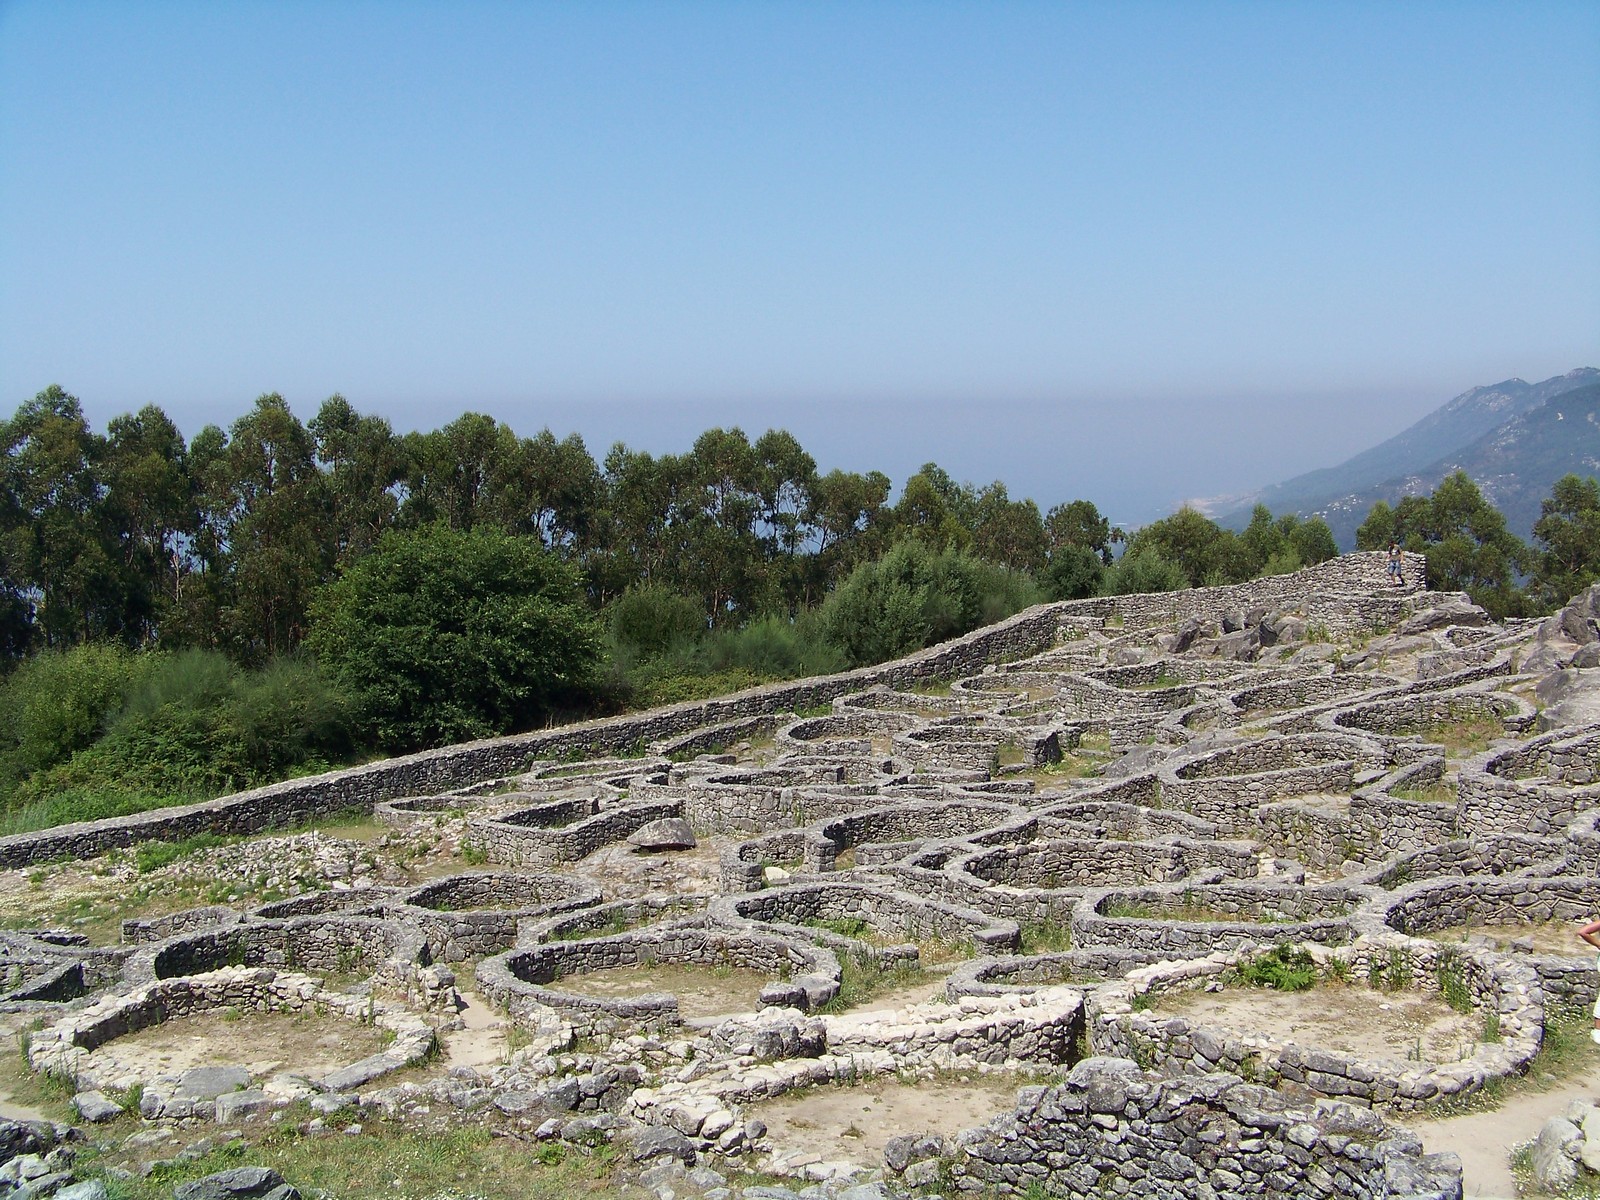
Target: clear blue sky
{"x": 1128, "y": 251}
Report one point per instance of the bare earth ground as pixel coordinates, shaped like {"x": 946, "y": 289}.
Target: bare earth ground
{"x": 701, "y": 991}
{"x": 262, "y": 1043}
{"x": 1484, "y": 1139}
{"x": 1549, "y": 937}
{"x": 481, "y": 1042}
{"x": 1349, "y": 1020}
{"x": 853, "y": 1124}
{"x": 920, "y": 991}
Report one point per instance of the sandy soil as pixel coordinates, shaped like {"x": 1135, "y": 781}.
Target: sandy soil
{"x": 1484, "y": 1139}
{"x": 1549, "y": 937}
{"x": 853, "y": 1124}
{"x": 931, "y": 987}
{"x": 701, "y": 991}
{"x": 12, "y": 1108}
{"x": 481, "y": 1042}
{"x": 263, "y": 1043}
{"x": 1349, "y": 1020}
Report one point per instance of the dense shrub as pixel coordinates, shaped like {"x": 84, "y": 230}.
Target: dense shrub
{"x": 194, "y": 726}
{"x": 441, "y": 635}
{"x": 1144, "y": 570}
{"x": 915, "y": 596}
{"x": 646, "y": 621}
{"x": 58, "y": 702}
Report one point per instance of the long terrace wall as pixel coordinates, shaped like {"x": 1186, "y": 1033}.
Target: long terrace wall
{"x": 1350, "y": 591}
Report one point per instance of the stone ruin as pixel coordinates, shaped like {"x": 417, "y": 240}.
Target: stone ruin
{"x": 1057, "y": 848}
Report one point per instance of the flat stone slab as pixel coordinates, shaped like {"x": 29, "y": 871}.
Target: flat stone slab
{"x": 669, "y": 833}
{"x": 96, "y": 1107}
{"x": 207, "y": 1083}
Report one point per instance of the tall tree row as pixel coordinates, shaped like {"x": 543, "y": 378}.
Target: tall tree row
{"x": 223, "y": 540}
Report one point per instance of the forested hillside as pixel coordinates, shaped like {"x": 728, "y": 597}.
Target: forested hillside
{"x": 184, "y": 616}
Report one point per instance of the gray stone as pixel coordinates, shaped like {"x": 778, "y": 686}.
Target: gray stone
{"x": 514, "y": 1103}
{"x": 84, "y": 1189}
{"x": 1554, "y": 1158}
{"x": 96, "y": 1107}
{"x": 863, "y": 1191}
{"x": 657, "y": 1141}
{"x": 669, "y": 833}
{"x": 241, "y": 1183}
{"x": 207, "y": 1083}
{"x": 897, "y": 1152}
{"x": 235, "y": 1106}
{"x": 24, "y": 1137}
{"x": 1452, "y": 611}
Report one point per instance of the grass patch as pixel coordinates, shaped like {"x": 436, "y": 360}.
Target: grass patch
{"x": 1465, "y": 735}
{"x": 1565, "y": 1052}
{"x": 1159, "y": 683}
{"x": 75, "y": 804}
{"x": 850, "y": 927}
{"x": 1009, "y": 754}
{"x": 1433, "y": 793}
{"x": 1070, "y": 766}
{"x": 861, "y": 978}
{"x": 1046, "y": 937}
{"x": 617, "y": 922}
{"x": 152, "y": 856}
{"x": 389, "y": 1162}
{"x": 1193, "y": 911}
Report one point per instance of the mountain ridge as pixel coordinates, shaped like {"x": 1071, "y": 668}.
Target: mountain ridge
{"x": 1491, "y": 432}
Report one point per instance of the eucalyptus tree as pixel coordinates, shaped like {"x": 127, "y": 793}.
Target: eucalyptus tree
{"x": 61, "y": 562}
{"x": 264, "y": 528}
{"x": 1568, "y": 533}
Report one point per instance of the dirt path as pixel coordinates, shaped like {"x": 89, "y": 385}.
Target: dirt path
{"x": 853, "y": 1124}
{"x": 481, "y": 1041}
{"x": 1484, "y": 1139}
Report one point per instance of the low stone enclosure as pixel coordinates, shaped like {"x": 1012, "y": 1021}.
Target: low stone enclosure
{"x": 1074, "y": 852}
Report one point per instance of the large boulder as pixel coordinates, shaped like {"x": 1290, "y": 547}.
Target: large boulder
{"x": 24, "y": 1137}
{"x": 669, "y": 833}
{"x": 1569, "y": 698}
{"x": 1555, "y": 1156}
{"x": 1450, "y": 610}
{"x": 241, "y": 1183}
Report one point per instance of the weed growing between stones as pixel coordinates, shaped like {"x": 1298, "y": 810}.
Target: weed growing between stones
{"x": 860, "y": 979}
{"x": 1286, "y": 968}
{"x": 1565, "y": 1051}
{"x": 1391, "y": 973}
{"x": 1452, "y": 984}
{"x": 1046, "y": 937}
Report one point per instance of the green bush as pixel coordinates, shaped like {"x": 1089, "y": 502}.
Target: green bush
{"x": 58, "y": 702}
{"x": 647, "y": 621}
{"x": 442, "y": 635}
{"x": 1286, "y": 968}
{"x": 195, "y": 726}
{"x": 914, "y": 597}
{"x": 1141, "y": 571}
{"x": 1073, "y": 573}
